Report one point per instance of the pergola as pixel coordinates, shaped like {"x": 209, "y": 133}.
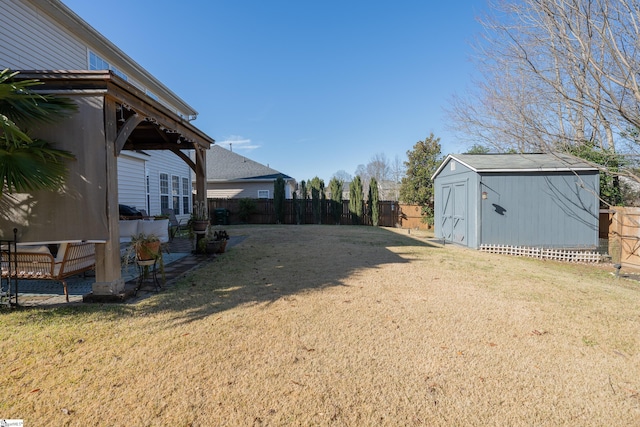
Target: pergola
{"x": 112, "y": 115}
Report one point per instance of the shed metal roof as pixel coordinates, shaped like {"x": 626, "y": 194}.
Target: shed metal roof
{"x": 501, "y": 163}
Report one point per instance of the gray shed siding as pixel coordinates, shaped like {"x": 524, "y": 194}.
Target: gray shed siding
{"x": 551, "y": 209}
{"x": 548, "y": 210}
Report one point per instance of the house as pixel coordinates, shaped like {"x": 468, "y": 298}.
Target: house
{"x": 521, "y": 200}
{"x": 133, "y": 138}
{"x": 230, "y": 176}
{"x": 47, "y": 35}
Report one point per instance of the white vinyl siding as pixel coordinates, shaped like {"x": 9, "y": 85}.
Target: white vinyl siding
{"x": 237, "y": 190}
{"x": 31, "y": 41}
{"x": 131, "y": 181}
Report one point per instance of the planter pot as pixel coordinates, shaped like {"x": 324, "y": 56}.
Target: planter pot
{"x": 148, "y": 251}
{"x": 216, "y": 246}
{"x": 200, "y": 225}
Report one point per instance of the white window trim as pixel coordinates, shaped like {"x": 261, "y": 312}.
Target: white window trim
{"x": 176, "y": 192}
{"x": 110, "y": 66}
{"x": 186, "y": 194}
{"x": 262, "y": 192}
{"x": 168, "y": 193}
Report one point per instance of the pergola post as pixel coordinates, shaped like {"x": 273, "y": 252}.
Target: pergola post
{"x": 201, "y": 174}
{"x": 109, "y": 279}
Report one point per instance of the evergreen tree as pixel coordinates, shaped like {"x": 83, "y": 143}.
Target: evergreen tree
{"x": 417, "y": 187}
{"x": 302, "y": 203}
{"x": 323, "y": 204}
{"x": 335, "y": 188}
{"x": 356, "y": 203}
{"x": 478, "y": 149}
{"x": 374, "y": 199}
{"x": 278, "y": 199}
{"x": 296, "y": 208}
{"x": 610, "y": 162}
{"x": 317, "y": 196}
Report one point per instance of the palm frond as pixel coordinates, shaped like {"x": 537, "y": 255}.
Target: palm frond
{"x": 10, "y": 133}
{"x": 20, "y": 104}
{"x": 32, "y": 167}
{"x": 28, "y": 164}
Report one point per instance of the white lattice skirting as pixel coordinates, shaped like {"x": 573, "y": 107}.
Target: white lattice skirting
{"x": 571, "y": 255}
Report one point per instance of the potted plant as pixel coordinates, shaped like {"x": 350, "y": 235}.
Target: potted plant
{"x": 214, "y": 242}
{"x": 199, "y": 217}
{"x": 219, "y": 241}
{"x": 145, "y": 247}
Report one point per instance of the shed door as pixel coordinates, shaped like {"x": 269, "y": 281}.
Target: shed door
{"x": 447, "y": 213}
{"x": 454, "y": 213}
{"x": 460, "y": 213}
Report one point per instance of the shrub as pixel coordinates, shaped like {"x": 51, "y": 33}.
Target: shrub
{"x": 247, "y": 207}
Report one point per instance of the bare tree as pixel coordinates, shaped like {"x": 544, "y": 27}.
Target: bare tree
{"x": 555, "y": 73}
{"x": 342, "y": 176}
{"x": 380, "y": 168}
{"x": 398, "y": 171}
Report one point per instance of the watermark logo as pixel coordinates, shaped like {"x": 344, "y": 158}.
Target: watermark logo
{"x": 11, "y": 423}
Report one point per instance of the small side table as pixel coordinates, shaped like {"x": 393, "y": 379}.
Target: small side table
{"x": 151, "y": 265}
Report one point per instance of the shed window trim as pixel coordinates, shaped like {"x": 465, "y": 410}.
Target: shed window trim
{"x": 263, "y": 194}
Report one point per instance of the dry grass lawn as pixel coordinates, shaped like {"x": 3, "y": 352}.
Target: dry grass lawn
{"x": 325, "y": 325}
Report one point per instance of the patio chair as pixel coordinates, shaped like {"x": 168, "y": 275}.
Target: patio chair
{"x": 174, "y": 225}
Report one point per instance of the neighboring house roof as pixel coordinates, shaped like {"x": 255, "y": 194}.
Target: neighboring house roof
{"x": 224, "y": 165}
{"x": 544, "y": 162}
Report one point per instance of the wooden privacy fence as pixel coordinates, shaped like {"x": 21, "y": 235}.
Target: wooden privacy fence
{"x": 392, "y": 214}
{"x": 624, "y": 235}
{"x": 411, "y": 217}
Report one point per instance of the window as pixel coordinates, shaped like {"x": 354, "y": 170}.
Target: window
{"x": 97, "y": 63}
{"x": 148, "y": 189}
{"x": 164, "y": 191}
{"x": 263, "y": 194}
{"x": 152, "y": 95}
{"x": 186, "y": 196}
{"x": 175, "y": 193}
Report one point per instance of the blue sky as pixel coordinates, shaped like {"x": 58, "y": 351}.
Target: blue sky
{"x": 306, "y": 87}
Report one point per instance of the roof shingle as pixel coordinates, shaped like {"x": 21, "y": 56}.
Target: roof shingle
{"x": 225, "y": 165}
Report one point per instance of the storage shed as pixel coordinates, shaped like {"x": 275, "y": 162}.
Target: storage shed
{"x": 522, "y": 200}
